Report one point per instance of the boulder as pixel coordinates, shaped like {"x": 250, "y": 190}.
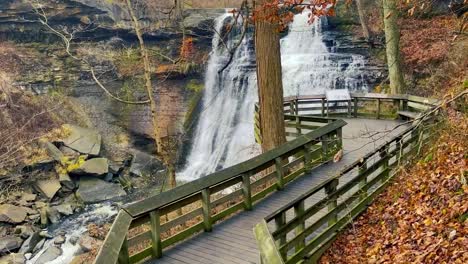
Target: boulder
{"x": 64, "y": 209}
{"x": 28, "y": 197}
{"x": 84, "y": 140}
{"x": 14, "y": 258}
{"x": 93, "y": 190}
{"x": 69, "y": 152}
{"x": 48, "y": 187}
{"x": 30, "y": 243}
{"x": 38, "y": 246}
{"x": 24, "y": 231}
{"x": 12, "y": 214}
{"x": 54, "y": 152}
{"x": 53, "y": 215}
{"x": 50, "y": 254}
{"x": 66, "y": 181}
{"x": 59, "y": 240}
{"x": 144, "y": 164}
{"x": 86, "y": 243}
{"x": 9, "y": 244}
{"x": 96, "y": 166}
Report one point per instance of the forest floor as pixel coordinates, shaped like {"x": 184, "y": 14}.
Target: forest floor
{"x": 422, "y": 217}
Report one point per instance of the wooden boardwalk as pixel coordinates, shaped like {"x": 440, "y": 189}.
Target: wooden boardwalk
{"x": 232, "y": 241}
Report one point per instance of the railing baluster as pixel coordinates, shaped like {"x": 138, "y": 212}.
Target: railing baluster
{"x": 350, "y": 108}
{"x": 279, "y": 173}
{"x": 206, "y": 205}
{"x": 332, "y": 200}
{"x": 123, "y": 254}
{"x": 299, "y": 211}
{"x": 298, "y": 125}
{"x": 291, "y": 107}
{"x": 384, "y": 155}
{"x": 323, "y": 107}
{"x": 307, "y": 158}
{"x": 355, "y": 106}
{"x": 339, "y": 135}
{"x": 247, "y": 191}
{"x": 296, "y": 106}
{"x": 378, "y": 108}
{"x": 155, "y": 222}
{"x": 324, "y": 140}
{"x": 363, "y": 183}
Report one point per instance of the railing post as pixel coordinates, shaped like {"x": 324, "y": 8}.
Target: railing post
{"x": 355, "y": 106}
{"x": 339, "y": 135}
{"x": 350, "y": 106}
{"x": 291, "y": 107}
{"x": 378, "y": 108}
{"x": 206, "y": 206}
{"x": 280, "y": 220}
{"x": 298, "y": 126}
{"x": 330, "y": 189}
{"x": 279, "y": 173}
{"x": 324, "y": 140}
{"x": 307, "y": 158}
{"x": 399, "y": 150}
{"x": 363, "y": 182}
{"x": 299, "y": 211}
{"x": 384, "y": 155}
{"x": 323, "y": 107}
{"x": 247, "y": 192}
{"x": 156, "y": 234}
{"x": 404, "y": 104}
{"x": 123, "y": 254}
{"x": 296, "y": 106}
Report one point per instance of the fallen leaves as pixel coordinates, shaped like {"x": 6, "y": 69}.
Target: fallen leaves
{"x": 422, "y": 216}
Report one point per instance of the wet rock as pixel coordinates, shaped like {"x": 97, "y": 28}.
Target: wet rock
{"x": 86, "y": 243}
{"x": 45, "y": 234}
{"x": 30, "y": 243}
{"x": 14, "y": 258}
{"x": 96, "y": 166}
{"x": 64, "y": 209}
{"x": 49, "y": 255}
{"x": 38, "y": 246}
{"x": 12, "y": 214}
{"x": 28, "y": 256}
{"x": 24, "y": 231}
{"x": 34, "y": 217}
{"x": 59, "y": 240}
{"x": 48, "y": 187}
{"x": 10, "y": 244}
{"x": 53, "y": 215}
{"x": 144, "y": 164}
{"x": 40, "y": 205}
{"x": 94, "y": 190}
{"x": 66, "y": 181}
{"x": 84, "y": 140}
{"x": 73, "y": 240}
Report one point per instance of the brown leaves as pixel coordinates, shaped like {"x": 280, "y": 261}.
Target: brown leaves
{"x": 422, "y": 216}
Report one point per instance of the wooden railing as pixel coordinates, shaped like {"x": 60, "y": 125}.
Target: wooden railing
{"x": 143, "y": 229}
{"x": 304, "y": 228}
{"x": 361, "y": 105}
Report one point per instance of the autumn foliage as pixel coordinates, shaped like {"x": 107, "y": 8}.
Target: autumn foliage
{"x": 423, "y": 216}
{"x": 186, "y": 49}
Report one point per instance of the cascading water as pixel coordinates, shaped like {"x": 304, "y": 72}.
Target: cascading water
{"x": 224, "y": 135}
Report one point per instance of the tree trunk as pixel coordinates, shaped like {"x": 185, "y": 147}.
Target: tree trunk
{"x": 269, "y": 81}
{"x": 178, "y": 9}
{"x": 362, "y": 18}
{"x": 392, "y": 39}
{"x": 163, "y": 141}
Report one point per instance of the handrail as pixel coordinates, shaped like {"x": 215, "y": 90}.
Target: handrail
{"x": 343, "y": 197}
{"x": 256, "y": 177}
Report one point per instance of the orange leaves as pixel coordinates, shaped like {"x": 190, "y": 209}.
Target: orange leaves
{"x": 282, "y": 12}
{"x": 187, "y": 49}
{"x": 423, "y": 216}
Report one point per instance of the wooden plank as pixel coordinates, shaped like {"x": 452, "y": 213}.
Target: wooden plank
{"x": 110, "y": 250}
{"x": 183, "y": 235}
{"x": 156, "y": 246}
{"x": 247, "y": 192}
{"x": 206, "y": 205}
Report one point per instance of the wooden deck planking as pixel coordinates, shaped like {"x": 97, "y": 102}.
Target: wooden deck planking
{"x": 232, "y": 241}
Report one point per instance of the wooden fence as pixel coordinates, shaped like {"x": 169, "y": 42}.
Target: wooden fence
{"x": 143, "y": 229}
{"x": 368, "y": 105}
{"x": 303, "y": 229}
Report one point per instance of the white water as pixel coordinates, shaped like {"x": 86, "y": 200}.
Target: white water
{"x": 224, "y": 135}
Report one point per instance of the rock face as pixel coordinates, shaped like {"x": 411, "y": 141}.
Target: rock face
{"x": 93, "y": 190}
{"x": 10, "y": 243}
{"x": 13, "y": 259}
{"x": 96, "y": 166}
{"x": 84, "y": 140}
{"x": 48, "y": 187}
{"x": 12, "y": 214}
{"x": 49, "y": 255}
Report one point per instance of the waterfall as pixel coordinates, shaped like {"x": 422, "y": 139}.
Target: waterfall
{"x": 224, "y": 133}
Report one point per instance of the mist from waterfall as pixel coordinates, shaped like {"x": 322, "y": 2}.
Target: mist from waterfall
{"x": 224, "y": 134}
